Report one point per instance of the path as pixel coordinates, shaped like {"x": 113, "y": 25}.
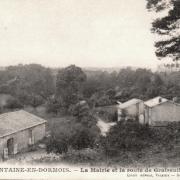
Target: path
{"x": 104, "y": 126}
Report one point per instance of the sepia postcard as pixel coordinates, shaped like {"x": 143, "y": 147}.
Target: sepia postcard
{"x": 90, "y": 89}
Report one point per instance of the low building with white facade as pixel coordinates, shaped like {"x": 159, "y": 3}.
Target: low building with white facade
{"x": 161, "y": 111}
{"x": 133, "y": 108}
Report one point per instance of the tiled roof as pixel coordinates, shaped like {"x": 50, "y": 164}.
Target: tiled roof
{"x": 129, "y": 103}
{"x": 155, "y": 101}
{"x": 13, "y": 122}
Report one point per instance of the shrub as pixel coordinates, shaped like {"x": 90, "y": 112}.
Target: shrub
{"x": 82, "y": 138}
{"x": 82, "y": 156}
{"x": 104, "y": 101}
{"x": 77, "y": 136}
{"x": 126, "y": 136}
{"x": 166, "y": 136}
{"x": 36, "y": 100}
{"x": 53, "y": 106}
{"x": 133, "y": 137}
{"x": 57, "y": 146}
{"x": 109, "y": 116}
{"x": 114, "y": 116}
{"x": 30, "y": 99}
{"x": 13, "y": 104}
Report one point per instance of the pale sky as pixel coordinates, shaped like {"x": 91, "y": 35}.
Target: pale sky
{"x": 93, "y": 33}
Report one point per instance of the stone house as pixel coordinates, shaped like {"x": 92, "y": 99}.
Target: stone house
{"x": 160, "y": 111}
{"x": 132, "y": 108}
{"x": 19, "y": 130}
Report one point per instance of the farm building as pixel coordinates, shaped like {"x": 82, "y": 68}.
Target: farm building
{"x": 132, "y": 108}
{"x": 18, "y": 131}
{"x": 160, "y": 111}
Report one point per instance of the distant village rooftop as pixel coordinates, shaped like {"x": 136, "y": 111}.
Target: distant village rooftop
{"x": 13, "y": 122}
{"x": 155, "y": 101}
{"x": 129, "y": 103}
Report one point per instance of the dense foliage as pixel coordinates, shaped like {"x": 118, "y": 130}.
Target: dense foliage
{"x": 129, "y": 83}
{"x": 126, "y": 136}
{"x": 68, "y": 85}
{"x": 168, "y": 27}
{"x": 35, "y": 85}
{"x": 30, "y": 84}
{"x": 134, "y": 137}
{"x": 78, "y": 136}
{"x": 86, "y": 98}
{"x": 82, "y": 131}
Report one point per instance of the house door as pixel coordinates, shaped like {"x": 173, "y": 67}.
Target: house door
{"x": 31, "y": 137}
{"x": 10, "y": 146}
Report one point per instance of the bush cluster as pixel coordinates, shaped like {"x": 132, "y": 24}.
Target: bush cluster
{"x": 132, "y": 136}
{"x": 77, "y": 137}
{"x": 81, "y": 156}
{"x": 13, "y": 104}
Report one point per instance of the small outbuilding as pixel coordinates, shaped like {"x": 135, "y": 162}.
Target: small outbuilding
{"x": 161, "y": 111}
{"x": 19, "y": 130}
{"x": 132, "y": 108}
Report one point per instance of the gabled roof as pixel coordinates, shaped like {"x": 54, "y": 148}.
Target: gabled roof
{"x": 129, "y": 103}
{"x": 155, "y": 101}
{"x": 13, "y": 122}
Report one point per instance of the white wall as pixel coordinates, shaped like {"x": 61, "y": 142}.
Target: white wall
{"x": 163, "y": 113}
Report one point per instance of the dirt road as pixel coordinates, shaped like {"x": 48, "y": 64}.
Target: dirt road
{"x": 104, "y": 126}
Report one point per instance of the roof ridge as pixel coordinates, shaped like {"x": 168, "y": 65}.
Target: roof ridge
{"x": 12, "y": 122}
{"x": 130, "y": 102}
{"x": 155, "y": 101}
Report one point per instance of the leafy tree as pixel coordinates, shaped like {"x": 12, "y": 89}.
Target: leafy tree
{"x": 13, "y": 104}
{"x": 126, "y": 77}
{"x": 104, "y": 100}
{"x": 31, "y": 84}
{"x": 80, "y": 109}
{"x": 111, "y": 93}
{"x": 139, "y": 83}
{"x": 57, "y": 146}
{"x": 78, "y": 136}
{"x": 69, "y": 84}
{"x": 84, "y": 115}
{"x": 90, "y": 87}
{"x": 168, "y": 27}
{"x": 53, "y": 105}
{"x": 143, "y": 79}
{"x": 82, "y": 137}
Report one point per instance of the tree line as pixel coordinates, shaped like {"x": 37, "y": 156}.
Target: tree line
{"x": 36, "y": 85}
